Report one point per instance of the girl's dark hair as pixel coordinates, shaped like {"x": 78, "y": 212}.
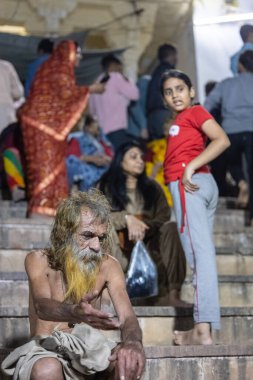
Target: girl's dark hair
{"x": 113, "y": 182}
{"x": 174, "y": 74}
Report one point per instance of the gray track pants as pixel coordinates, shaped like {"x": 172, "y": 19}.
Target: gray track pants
{"x": 197, "y": 242}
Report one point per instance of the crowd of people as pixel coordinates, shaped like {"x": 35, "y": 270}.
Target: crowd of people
{"x": 93, "y": 181}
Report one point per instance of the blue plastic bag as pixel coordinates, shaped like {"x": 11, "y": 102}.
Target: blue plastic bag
{"x": 141, "y": 278}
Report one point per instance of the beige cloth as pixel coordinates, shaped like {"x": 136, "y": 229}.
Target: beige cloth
{"x": 11, "y": 91}
{"x": 84, "y": 351}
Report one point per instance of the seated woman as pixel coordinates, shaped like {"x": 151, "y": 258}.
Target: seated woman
{"x": 89, "y": 155}
{"x": 140, "y": 212}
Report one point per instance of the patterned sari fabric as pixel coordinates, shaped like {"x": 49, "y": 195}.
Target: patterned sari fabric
{"x": 53, "y": 107}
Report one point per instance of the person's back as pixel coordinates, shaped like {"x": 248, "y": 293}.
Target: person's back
{"x": 235, "y": 95}
{"x": 137, "y": 120}
{"x": 157, "y": 113}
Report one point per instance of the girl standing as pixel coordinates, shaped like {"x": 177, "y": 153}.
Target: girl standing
{"x": 195, "y": 197}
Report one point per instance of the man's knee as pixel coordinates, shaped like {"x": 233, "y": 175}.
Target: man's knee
{"x": 47, "y": 368}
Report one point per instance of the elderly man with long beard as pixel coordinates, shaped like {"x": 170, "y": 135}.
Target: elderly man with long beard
{"x": 67, "y": 281}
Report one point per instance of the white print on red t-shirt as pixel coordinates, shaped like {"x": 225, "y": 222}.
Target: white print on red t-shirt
{"x": 174, "y": 130}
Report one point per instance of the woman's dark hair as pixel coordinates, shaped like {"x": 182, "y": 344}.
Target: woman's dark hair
{"x": 113, "y": 182}
{"x": 174, "y": 74}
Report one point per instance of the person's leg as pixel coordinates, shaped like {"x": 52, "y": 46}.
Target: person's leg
{"x": 219, "y": 170}
{"x": 47, "y": 369}
{"x": 173, "y": 258}
{"x": 248, "y": 151}
{"x": 200, "y": 254}
{"x": 234, "y": 160}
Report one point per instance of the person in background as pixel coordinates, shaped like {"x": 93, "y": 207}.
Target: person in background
{"x": 154, "y": 159}
{"x": 11, "y": 98}
{"x": 53, "y": 107}
{"x": 140, "y": 212}
{"x": 235, "y": 96}
{"x": 71, "y": 283}
{"x": 110, "y": 108}
{"x": 137, "y": 119}
{"x": 11, "y": 94}
{"x": 246, "y": 33}
{"x": 218, "y": 166}
{"x": 44, "y": 50}
{"x": 89, "y": 155}
{"x": 195, "y": 197}
{"x": 156, "y": 111}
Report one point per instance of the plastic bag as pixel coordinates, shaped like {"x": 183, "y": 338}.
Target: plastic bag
{"x": 141, "y": 278}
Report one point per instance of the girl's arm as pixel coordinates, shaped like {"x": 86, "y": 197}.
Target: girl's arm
{"x": 219, "y": 143}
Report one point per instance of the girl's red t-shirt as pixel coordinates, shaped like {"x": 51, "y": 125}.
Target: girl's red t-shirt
{"x": 185, "y": 142}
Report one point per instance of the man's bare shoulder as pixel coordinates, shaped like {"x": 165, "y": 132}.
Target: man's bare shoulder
{"x": 36, "y": 260}
{"x": 111, "y": 265}
{"x": 110, "y": 261}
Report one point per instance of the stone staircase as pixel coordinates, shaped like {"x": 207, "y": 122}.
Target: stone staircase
{"x": 231, "y": 358}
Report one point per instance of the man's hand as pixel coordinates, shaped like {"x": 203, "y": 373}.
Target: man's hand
{"x": 93, "y": 317}
{"x": 130, "y": 360}
{"x": 136, "y": 228}
{"x": 97, "y": 88}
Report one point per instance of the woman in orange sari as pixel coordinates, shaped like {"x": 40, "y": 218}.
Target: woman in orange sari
{"x": 54, "y": 106}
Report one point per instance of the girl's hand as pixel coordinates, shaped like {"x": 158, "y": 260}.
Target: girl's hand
{"x": 187, "y": 182}
{"x": 136, "y": 228}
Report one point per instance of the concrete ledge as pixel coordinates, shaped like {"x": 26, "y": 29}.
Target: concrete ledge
{"x": 178, "y": 363}
{"x": 157, "y": 324}
{"x": 154, "y": 352}
{"x": 149, "y": 311}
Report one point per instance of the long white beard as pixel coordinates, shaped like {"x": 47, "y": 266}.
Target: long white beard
{"x": 86, "y": 259}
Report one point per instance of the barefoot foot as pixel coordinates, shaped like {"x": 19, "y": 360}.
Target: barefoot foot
{"x": 199, "y": 335}
{"x": 243, "y": 196}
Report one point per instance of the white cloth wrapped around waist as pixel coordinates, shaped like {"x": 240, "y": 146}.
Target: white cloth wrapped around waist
{"x": 84, "y": 351}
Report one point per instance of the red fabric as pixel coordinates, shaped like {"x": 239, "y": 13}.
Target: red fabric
{"x": 185, "y": 142}
{"x": 107, "y": 149}
{"x": 73, "y": 148}
{"x": 54, "y": 105}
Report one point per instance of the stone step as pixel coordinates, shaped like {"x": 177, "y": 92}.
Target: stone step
{"x": 12, "y": 260}
{"x": 234, "y": 290}
{"x": 157, "y": 324}
{"x": 24, "y": 234}
{"x": 230, "y": 220}
{"x": 30, "y": 234}
{"x": 223, "y": 203}
{"x": 199, "y": 363}
{"x": 214, "y": 362}
{"x": 10, "y": 209}
{"x": 241, "y": 241}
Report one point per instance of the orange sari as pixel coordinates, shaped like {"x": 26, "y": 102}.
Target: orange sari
{"x": 54, "y": 106}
